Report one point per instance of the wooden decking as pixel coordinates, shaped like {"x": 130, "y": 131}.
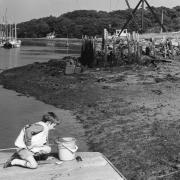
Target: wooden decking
{"x": 93, "y": 167}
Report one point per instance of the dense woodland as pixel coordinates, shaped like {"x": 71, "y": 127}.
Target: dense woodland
{"x": 92, "y": 23}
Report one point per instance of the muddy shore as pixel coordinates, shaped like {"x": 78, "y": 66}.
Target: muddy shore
{"x": 129, "y": 113}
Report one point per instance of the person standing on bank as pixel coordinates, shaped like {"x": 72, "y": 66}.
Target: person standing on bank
{"x": 33, "y": 141}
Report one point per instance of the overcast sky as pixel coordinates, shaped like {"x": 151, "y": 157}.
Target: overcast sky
{"x": 25, "y": 10}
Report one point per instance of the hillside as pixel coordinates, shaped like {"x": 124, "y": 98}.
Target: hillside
{"x": 91, "y": 22}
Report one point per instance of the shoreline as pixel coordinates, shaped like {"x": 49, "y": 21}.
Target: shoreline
{"x": 128, "y": 112}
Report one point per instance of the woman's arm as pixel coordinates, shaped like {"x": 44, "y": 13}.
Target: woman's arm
{"x": 30, "y": 131}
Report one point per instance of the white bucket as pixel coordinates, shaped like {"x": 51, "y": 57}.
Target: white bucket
{"x": 67, "y": 148}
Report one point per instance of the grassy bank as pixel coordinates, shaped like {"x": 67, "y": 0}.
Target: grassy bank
{"x": 131, "y": 113}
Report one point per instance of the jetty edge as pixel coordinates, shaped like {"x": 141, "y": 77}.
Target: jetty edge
{"x": 94, "y": 165}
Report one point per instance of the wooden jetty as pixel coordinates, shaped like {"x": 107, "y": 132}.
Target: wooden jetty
{"x": 93, "y": 166}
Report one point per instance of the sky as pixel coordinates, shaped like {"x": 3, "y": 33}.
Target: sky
{"x": 25, "y": 10}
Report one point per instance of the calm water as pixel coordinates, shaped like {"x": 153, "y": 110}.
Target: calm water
{"x": 10, "y": 58}
{"x": 16, "y": 110}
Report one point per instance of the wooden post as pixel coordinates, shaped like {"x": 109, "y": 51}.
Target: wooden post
{"x": 179, "y": 45}
{"x": 137, "y": 44}
{"x": 153, "y": 47}
{"x": 165, "y": 50}
{"x": 94, "y": 51}
{"x": 105, "y": 50}
{"x": 105, "y": 47}
{"x": 129, "y": 51}
{"x": 172, "y": 50}
{"x": 114, "y": 51}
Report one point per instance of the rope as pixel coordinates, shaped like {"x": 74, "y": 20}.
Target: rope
{"x": 6, "y": 149}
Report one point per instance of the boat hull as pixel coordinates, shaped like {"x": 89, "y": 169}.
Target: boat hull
{"x": 12, "y": 44}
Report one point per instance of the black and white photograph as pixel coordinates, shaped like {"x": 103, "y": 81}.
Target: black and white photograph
{"x": 89, "y": 90}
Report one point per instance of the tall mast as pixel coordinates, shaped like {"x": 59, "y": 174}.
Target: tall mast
{"x": 0, "y": 30}
{"x": 10, "y": 30}
{"x": 15, "y": 31}
{"x": 142, "y": 16}
{"x": 162, "y": 19}
{"x": 6, "y": 26}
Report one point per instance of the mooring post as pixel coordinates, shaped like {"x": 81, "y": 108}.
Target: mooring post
{"x": 128, "y": 39}
{"x": 105, "y": 47}
{"x": 153, "y": 47}
{"x": 105, "y": 52}
{"x": 94, "y": 51}
{"x": 165, "y": 50}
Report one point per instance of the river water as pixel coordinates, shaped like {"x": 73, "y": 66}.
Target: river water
{"x": 17, "y": 110}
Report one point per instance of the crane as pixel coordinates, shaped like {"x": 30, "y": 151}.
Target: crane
{"x": 128, "y": 5}
{"x": 134, "y": 11}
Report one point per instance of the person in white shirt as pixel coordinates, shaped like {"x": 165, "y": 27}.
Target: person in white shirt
{"x": 33, "y": 141}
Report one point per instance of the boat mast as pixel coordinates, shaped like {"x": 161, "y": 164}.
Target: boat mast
{"x": 9, "y": 30}
{"x": 0, "y": 31}
{"x": 6, "y": 26}
{"x": 15, "y": 31}
{"x": 3, "y": 29}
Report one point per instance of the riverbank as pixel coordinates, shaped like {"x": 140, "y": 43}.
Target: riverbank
{"x": 129, "y": 113}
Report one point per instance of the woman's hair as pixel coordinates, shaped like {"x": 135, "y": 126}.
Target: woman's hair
{"x": 51, "y": 117}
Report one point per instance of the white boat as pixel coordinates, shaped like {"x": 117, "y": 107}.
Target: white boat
{"x": 50, "y": 35}
{"x": 15, "y": 43}
{"x": 2, "y": 44}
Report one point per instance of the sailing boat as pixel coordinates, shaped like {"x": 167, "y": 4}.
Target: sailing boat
{"x": 12, "y": 41}
{"x": 15, "y": 43}
{"x": 10, "y": 35}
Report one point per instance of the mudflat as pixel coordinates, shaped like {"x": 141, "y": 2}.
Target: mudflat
{"x": 129, "y": 113}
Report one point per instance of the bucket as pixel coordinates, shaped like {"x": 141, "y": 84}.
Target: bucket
{"x": 66, "y": 148}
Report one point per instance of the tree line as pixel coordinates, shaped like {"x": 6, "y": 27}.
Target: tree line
{"x": 91, "y": 22}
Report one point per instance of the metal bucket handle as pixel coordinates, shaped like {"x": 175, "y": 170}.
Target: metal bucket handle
{"x": 70, "y": 149}
{"x": 58, "y": 140}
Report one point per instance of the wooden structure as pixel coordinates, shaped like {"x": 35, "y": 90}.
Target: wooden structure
{"x": 141, "y": 2}
{"x": 92, "y": 167}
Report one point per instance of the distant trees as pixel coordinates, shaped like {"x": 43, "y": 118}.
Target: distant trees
{"x": 92, "y": 23}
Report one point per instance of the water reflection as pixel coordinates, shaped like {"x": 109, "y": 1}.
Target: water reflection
{"x": 16, "y": 111}
{"x": 13, "y": 57}
{"x": 10, "y": 58}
